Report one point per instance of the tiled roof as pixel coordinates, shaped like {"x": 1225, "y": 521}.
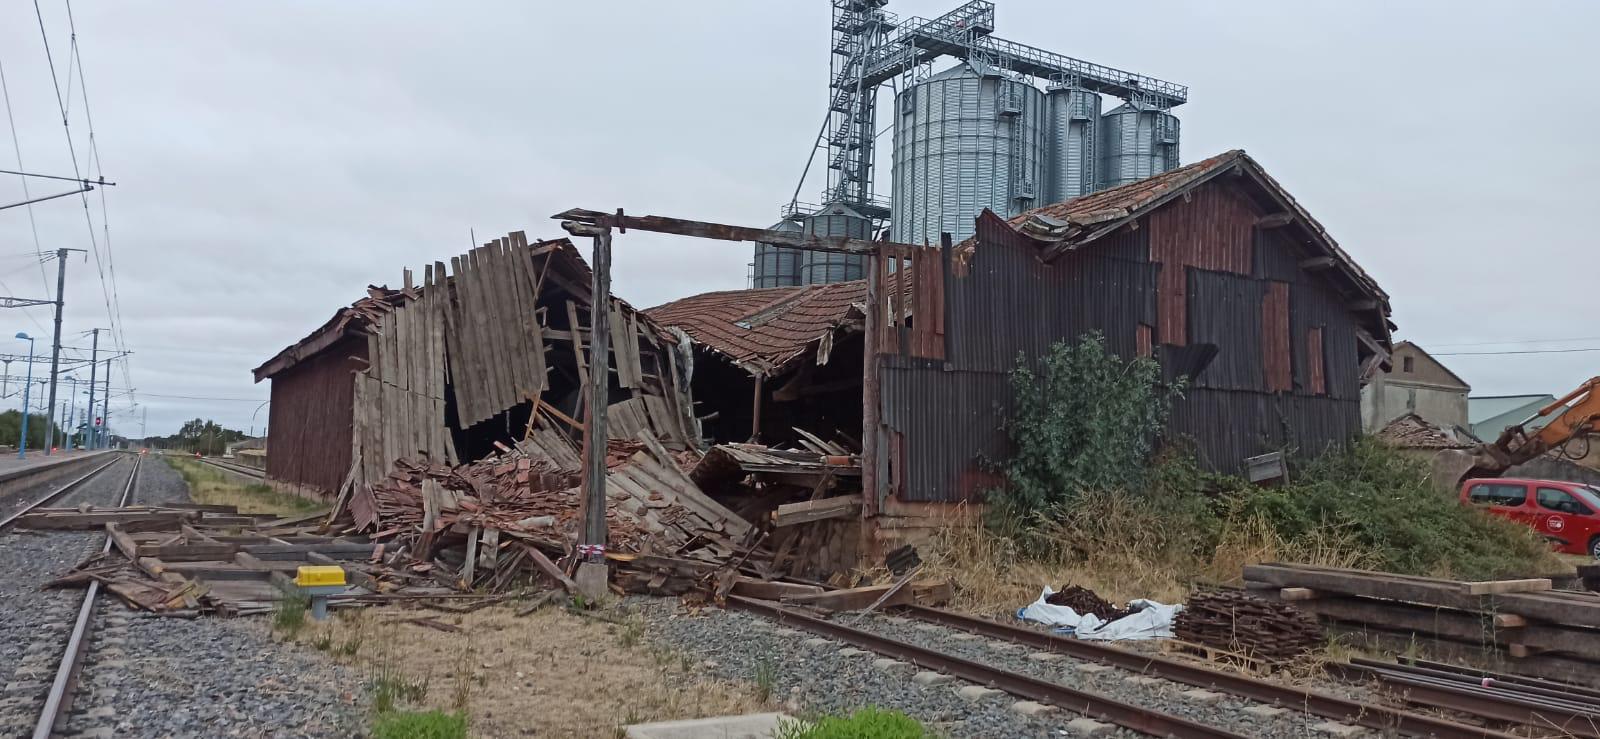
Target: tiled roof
{"x": 1087, "y": 218}
{"x": 1411, "y": 432}
{"x": 763, "y": 329}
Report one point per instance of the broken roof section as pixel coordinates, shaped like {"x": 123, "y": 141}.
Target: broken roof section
{"x": 358, "y": 319}
{"x": 765, "y": 331}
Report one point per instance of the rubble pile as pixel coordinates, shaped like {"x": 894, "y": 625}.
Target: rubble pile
{"x": 514, "y": 516}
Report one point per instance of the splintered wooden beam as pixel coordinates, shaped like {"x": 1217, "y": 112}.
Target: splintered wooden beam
{"x": 1316, "y": 263}
{"x": 791, "y": 514}
{"x": 719, "y": 231}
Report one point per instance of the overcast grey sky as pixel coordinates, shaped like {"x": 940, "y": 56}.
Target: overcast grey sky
{"x": 275, "y": 158}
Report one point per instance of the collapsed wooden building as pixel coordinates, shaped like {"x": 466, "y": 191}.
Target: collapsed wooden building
{"x": 474, "y": 355}
{"x": 1213, "y": 269}
{"x": 803, "y": 431}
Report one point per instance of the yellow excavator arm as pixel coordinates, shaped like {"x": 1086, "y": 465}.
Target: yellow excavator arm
{"x": 1575, "y": 414}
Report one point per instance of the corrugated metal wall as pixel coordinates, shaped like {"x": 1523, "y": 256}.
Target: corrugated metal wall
{"x": 308, "y": 440}
{"x": 1196, "y": 261}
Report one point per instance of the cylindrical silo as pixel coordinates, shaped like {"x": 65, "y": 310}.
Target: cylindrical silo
{"x": 836, "y": 219}
{"x": 965, "y": 139}
{"x": 1136, "y": 141}
{"x": 777, "y": 266}
{"x": 1071, "y": 120}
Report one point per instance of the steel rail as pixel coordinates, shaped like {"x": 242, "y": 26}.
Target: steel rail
{"x": 1327, "y": 706}
{"x": 1570, "y": 694}
{"x": 59, "y": 701}
{"x": 1570, "y": 716}
{"x": 238, "y": 469}
{"x": 1137, "y": 718}
{"x": 52, "y": 495}
{"x": 1476, "y": 676}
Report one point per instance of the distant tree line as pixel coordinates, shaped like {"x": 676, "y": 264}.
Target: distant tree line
{"x": 204, "y": 436}
{"x": 38, "y": 429}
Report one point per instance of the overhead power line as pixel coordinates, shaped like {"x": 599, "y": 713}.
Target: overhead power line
{"x": 1516, "y": 351}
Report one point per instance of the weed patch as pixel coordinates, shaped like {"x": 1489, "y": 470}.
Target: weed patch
{"x": 212, "y": 486}
{"x": 289, "y": 614}
{"x": 864, "y": 723}
{"x": 420, "y": 725}
{"x": 1128, "y": 524}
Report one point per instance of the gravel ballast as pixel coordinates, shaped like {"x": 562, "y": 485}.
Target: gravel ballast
{"x": 35, "y": 623}
{"x": 206, "y": 677}
{"x": 814, "y": 678}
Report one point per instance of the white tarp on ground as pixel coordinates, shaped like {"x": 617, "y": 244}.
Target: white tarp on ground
{"x": 1150, "y": 620}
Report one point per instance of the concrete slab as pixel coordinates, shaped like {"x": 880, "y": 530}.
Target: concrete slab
{"x": 928, "y": 677}
{"x": 1334, "y": 728}
{"x": 977, "y": 692}
{"x": 1202, "y": 696}
{"x": 749, "y": 726}
{"x": 1142, "y": 680}
{"x": 889, "y": 665}
{"x": 1030, "y": 708}
{"x": 1089, "y": 727}
{"x": 1262, "y": 711}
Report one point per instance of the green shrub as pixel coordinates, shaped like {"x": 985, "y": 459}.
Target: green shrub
{"x": 865, "y": 723}
{"x": 289, "y": 614}
{"x": 420, "y": 725}
{"x": 1084, "y": 420}
{"x": 1384, "y": 502}
{"x": 1082, "y": 486}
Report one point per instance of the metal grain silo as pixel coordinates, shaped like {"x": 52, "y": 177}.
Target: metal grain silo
{"x": 968, "y": 138}
{"x": 777, "y": 266}
{"x": 1071, "y": 119}
{"x": 820, "y": 267}
{"x": 1136, "y": 141}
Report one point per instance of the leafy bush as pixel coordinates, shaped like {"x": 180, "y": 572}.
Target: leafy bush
{"x": 1085, "y": 494}
{"x": 865, "y": 723}
{"x": 1384, "y": 502}
{"x": 1085, "y": 420}
{"x": 420, "y": 725}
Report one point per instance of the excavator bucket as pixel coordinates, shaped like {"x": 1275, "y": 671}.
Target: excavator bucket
{"x": 1452, "y": 466}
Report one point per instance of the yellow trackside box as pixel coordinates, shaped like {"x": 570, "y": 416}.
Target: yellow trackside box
{"x": 311, "y": 576}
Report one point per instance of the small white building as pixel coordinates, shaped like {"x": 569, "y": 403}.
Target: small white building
{"x": 1416, "y": 384}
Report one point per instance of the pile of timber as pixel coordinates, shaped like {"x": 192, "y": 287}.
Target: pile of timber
{"x": 809, "y": 496}
{"x": 513, "y": 518}
{"x": 1519, "y": 626}
{"x": 1236, "y": 621}
{"x": 185, "y": 560}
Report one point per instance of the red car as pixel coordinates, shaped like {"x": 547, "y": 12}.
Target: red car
{"x": 1566, "y": 513}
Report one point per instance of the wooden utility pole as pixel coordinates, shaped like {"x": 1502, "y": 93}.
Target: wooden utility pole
{"x": 593, "y": 573}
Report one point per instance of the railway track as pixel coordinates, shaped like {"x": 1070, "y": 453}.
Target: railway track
{"x": 1130, "y": 715}
{"x": 249, "y": 472}
{"x": 53, "y": 701}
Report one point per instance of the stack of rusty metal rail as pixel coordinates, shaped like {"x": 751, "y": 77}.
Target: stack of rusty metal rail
{"x": 1567, "y": 709}
{"x": 1255, "y": 627}
{"x": 1519, "y": 626}
{"x": 184, "y": 559}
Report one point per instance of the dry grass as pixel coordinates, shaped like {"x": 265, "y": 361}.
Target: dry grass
{"x": 550, "y": 673}
{"x": 1121, "y": 550}
{"x": 211, "y": 486}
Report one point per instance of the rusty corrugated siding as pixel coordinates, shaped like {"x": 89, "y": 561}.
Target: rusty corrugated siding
{"x": 1215, "y": 288}
{"x": 1275, "y": 342}
{"x": 1315, "y": 361}
{"x": 309, "y": 437}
